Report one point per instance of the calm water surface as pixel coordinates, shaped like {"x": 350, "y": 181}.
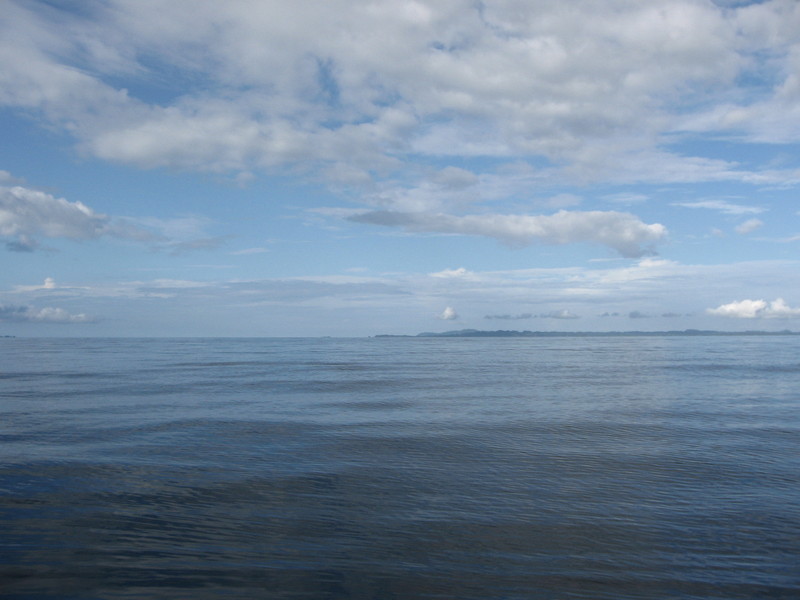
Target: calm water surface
{"x": 563, "y": 468}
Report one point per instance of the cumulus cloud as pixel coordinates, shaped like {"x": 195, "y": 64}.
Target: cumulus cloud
{"x": 26, "y": 214}
{"x": 755, "y": 309}
{"x": 449, "y": 314}
{"x": 252, "y": 86}
{"x": 623, "y": 232}
{"x": 749, "y": 226}
{"x": 29, "y": 314}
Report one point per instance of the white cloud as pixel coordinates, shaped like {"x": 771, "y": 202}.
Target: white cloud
{"x": 621, "y": 231}
{"x": 769, "y": 38}
{"x": 560, "y": 314}
{"x": 366, "y": 305}
{"x": 48, "y": 284}
{"x": 755, "y": 309}
{"x": 749, "y": 226}
{"x": 449, "y": 314}
{"x": 26, "y": 214}
{"x": 251, "y": 86}
{"x": 722, "y": 206}
{"x": 29, "y": 314}
{"x": 460, "y": 273}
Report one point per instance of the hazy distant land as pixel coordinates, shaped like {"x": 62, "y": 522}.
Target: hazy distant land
{"x": 511, "y": 333}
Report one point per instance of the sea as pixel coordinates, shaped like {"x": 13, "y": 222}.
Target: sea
{"x": 658, "y": 467}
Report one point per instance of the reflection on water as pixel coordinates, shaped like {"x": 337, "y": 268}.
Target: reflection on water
{"x": 400, "y": 468}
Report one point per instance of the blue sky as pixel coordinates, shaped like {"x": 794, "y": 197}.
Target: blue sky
{"x": 345, "y": 168}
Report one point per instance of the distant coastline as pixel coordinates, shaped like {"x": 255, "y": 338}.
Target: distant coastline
{"x": 511, "y": 333}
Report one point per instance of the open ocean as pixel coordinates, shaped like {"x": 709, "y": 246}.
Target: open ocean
{"x": 392, "y": 468}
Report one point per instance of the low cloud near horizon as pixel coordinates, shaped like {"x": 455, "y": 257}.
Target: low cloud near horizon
{"x": 28, "y": 314}
{"x": 553, "y": 314}
{"x": 756, "y": 309}
{"x": 449, "y": 314}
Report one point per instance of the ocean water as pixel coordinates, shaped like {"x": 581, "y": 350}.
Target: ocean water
{"x": 516, "y": 468}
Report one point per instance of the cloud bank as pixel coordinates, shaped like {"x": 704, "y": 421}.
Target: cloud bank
{"x": 363, "y": 97}
{"x": 432, "y": 77}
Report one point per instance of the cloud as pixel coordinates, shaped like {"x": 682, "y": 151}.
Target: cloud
{"x": 28, "y": 314}
{"x": 749, "y": 226}
{"x": 449, "y": 314}
{"x": 601, "y": 293}
{"x": 554, "y": 314}
{"x": 755, "y": 309}
{"x": 211, "y": 243}
{"x": 246, "y": 87}
{"x": 7, "y": 178}
{"x": 559, "y": 314}
{"x": 623, "y": 232}
{"x": 635, "y": 314}
{"x": 721, "y": 205}
{"x": 627, "y": 198}
{"x": 249, "y": 251}
{"x": 48, "y": 284}
{"x": 26, "y": 214}
{"x": 510, "y": 317}
{"x": 460, "y": 273}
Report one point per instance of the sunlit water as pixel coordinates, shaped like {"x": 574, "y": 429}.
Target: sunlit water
{"x": 558, "y": 468}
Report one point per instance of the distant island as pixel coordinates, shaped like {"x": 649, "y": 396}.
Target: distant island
{"x": 509, "y": 333}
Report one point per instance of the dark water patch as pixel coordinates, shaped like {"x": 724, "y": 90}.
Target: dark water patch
{"x": 584, "y": 469}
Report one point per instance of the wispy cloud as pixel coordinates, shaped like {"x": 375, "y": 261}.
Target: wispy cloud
{"x": 28, "y": 314}
{"x": 749, "y": 226}
{"x": 723, "y": 206}
{"x": 621, "y": 231}
{"x": 553, "y": 314}
{"x": 249, "y": 251}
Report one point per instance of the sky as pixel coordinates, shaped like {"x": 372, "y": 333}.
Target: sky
{"x": 342, "y": 168}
